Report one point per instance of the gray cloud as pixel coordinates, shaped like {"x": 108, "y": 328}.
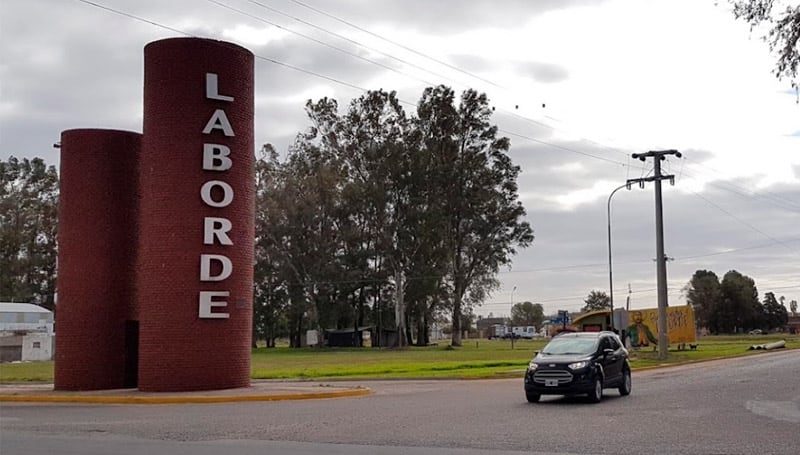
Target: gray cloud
{"x": 67, "y": 65}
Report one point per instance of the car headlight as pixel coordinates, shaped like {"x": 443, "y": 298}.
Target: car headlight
{"x": 532, "y": 366}
{"x": 578, "y": 365}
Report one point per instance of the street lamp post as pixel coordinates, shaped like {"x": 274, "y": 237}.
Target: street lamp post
{"x": 610, "y": 274}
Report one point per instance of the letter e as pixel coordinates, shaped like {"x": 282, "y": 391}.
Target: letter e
{"x": 207, "y": 302}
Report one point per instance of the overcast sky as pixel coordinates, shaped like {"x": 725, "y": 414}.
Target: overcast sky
{"x": 577, "y": 86}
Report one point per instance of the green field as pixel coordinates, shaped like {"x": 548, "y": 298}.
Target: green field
{"x": 475, "y": 359}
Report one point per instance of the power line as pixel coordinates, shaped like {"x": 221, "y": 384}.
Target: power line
{"x": 350, "y": 40}
{"x": 742, "y": 192}
{"x": 182, "y": 32}
{"x": 320, "y": 42}
{"x": 561, "y": 147}
{"x": 414, "y": 51}
{"x": 745, "y": 223}
{"x": 774, "y": 196}
{"x": 353, "y": 86}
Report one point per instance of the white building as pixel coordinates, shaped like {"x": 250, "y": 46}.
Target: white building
{"x": 26, "y": 332}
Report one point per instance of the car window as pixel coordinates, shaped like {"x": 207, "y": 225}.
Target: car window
{"x": 604, "y": 344}
{"x": 565, "y": 345}
{"x": 614, "y": 343}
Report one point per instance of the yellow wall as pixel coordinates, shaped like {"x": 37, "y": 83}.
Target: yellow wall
{"x": 680, "y": 323}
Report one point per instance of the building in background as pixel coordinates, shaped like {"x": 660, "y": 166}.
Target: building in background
{"x": 26, "y": 332}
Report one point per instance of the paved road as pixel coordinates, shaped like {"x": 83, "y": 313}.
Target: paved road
{"x": 736, "y": 406}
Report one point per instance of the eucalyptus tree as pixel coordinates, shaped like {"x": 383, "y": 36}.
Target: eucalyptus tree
{"x": 596, "y": 300}
{"x": 527, "y": 313}
{"x": 740, "y": 308}
{"x": 28, "y": 231}
{"x": 298, "y": 229}
{"x": 704, "y": 294}
{"x": 781, "y": 20}
{"x": 478, "y": 200}
{"x": 273, "y": 270}
{"x": 775, "y": 314}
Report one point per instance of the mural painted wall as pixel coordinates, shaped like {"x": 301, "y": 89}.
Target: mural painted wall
{"x": 643, "y": 327}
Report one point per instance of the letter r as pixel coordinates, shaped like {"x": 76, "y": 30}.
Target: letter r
{"x": 216, "y": 227}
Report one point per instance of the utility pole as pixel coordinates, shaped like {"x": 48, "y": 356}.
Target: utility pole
{"x": 661, "y": 263}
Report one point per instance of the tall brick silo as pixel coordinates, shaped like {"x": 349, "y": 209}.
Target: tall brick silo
{"x": 97, "y": 223}
{"x": 195, "y": 263}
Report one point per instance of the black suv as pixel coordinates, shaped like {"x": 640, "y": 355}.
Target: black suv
{"x": 580, "y": 362}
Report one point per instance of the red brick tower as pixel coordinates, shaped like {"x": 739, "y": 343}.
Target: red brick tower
{"x": 97, "y": 224}
{"x": 195, "y": 259}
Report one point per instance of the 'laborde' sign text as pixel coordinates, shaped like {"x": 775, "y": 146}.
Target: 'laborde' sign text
{"x": 216, "y": 194}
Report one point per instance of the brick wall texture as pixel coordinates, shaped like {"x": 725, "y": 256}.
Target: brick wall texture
{"x": 96, "y": 255}
{"x": 108, "y": 240}
{"x": 178, "y": 350}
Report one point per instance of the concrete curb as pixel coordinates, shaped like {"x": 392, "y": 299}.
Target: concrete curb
{"x": 173, "y": 399}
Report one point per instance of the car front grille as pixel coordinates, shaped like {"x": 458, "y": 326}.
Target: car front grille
{"x": 562, "y": 376}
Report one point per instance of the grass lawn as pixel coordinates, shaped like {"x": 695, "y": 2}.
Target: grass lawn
{"x": 475, "y": 359}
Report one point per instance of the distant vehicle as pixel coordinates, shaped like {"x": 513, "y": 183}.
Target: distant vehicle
{"x": 527, "y": 332}
{"x": 756, "y": 332}
{"x": 579, "y": 363}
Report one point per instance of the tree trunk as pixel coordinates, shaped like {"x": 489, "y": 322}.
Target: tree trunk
{"x": 400, "y": 312}
{"x": 422, "y": 332}
{"x": 409, "y": 336}
{"x": 455, "y": 339}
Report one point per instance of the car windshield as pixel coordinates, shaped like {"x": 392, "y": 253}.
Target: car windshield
{"x": 570, "y": 346}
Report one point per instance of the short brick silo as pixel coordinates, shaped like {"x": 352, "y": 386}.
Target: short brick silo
{"x": 97, "y": 223}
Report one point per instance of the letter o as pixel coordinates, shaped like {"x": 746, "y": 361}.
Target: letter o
{"x": 227, "y": 191}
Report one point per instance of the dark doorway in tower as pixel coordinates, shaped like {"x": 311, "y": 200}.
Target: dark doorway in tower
{"x": 131, "y": 354}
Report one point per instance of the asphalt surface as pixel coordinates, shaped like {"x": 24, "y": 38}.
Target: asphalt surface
{"x": 258, "y": 391}
{"x": 736, "y": 406}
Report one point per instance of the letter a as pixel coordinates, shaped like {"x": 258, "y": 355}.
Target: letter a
{"x": 219, "y": 121}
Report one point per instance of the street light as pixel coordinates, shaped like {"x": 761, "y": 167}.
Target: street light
{"x": 610, "y": 274}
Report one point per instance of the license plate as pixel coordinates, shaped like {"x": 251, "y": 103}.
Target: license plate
{"x": 551, "y": 382}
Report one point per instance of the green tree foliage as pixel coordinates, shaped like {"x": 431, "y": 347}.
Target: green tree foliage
{"x": 704, "y": 294}
{"x": 527, "y": 313}
{"x": 775, "y": 314}
{"x": 740, "y": 309}
{"x": 270, "y": 291}
{"x": 409, "y": 216}
{"x": 478, "y": 199}
{"x": 596, "y": 300}
{"x": 732, "y": 305}
{"x": 28, "y": 228}
{"x": 782, "y": 19}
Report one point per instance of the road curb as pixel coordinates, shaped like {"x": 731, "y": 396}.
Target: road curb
{"x": 97, "y": 399}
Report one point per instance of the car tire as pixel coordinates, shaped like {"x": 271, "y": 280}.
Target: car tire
{"x": 532, "y": 397}
{"x": 597, "y": 391}
{"x": 625, "y": 388}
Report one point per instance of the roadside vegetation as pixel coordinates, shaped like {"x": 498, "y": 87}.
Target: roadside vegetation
{"x": 475, "y": 359}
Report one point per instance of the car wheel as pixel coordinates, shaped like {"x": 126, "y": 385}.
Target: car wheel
{"x": 625, "y": 388}
{"x": 597, "y": 391}
{"x": 532, "y": 397}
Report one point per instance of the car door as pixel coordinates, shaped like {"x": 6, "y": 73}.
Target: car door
{"x": 612, "y": 362}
